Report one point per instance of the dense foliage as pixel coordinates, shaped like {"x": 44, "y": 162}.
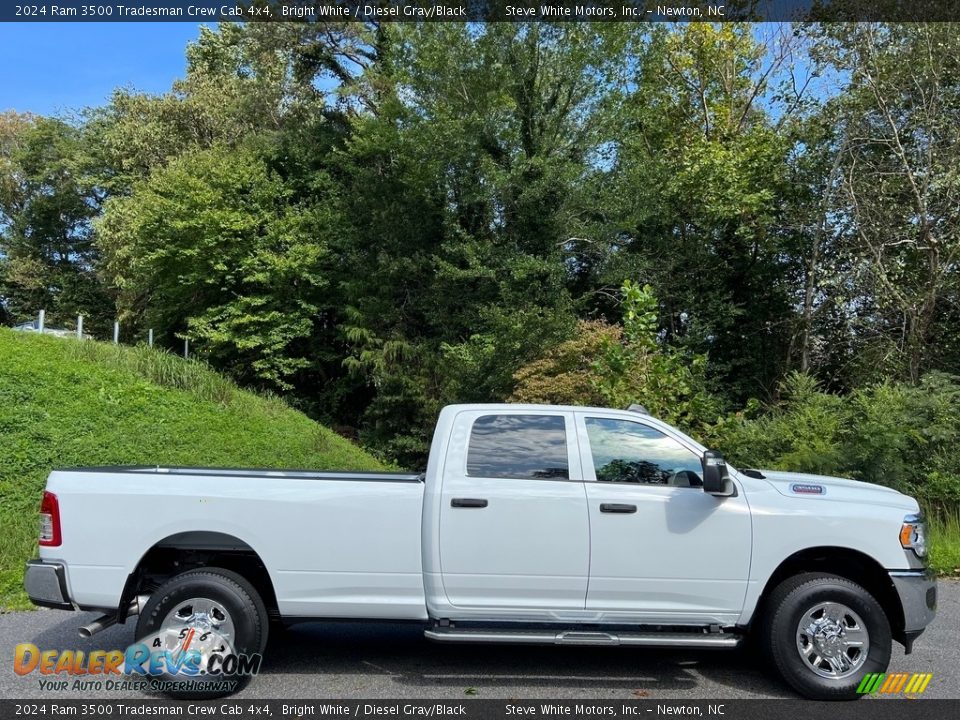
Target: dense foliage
{"x": 375, "y": 220}
{"x": 896, "y": 434}
{"x": 609, "y": 366}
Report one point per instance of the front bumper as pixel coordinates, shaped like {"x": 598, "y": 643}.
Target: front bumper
{"x": 46, "y": 584}
{"x": 918, "y": 598}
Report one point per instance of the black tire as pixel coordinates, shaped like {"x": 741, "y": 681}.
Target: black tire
{"x": 790, "y": 602}
{"x": 244, "y": 607}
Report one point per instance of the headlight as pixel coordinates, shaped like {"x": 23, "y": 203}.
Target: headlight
{"x": 913, "y": 535}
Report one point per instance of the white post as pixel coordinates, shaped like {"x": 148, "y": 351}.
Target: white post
{"x": 116, "y": 332}
{"x": 41, "y": 320}
{"x": 79, "y": 327}
{"x": 186, "y": 348}
{"x": 150, "y": 337}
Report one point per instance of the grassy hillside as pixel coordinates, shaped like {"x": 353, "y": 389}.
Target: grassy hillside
{"x": 66, "y": 403}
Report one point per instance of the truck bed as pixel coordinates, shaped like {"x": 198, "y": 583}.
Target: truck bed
{"x": 336, "y": 544}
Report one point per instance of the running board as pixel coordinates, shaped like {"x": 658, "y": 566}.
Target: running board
{"x": 581, "y": 637}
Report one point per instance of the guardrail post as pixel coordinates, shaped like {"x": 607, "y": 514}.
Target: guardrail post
{"x": 150, "y": 337}
{"x": 186, "y": 347}
{"x": 116, "y": 332}
{"x": 79, "y": 327}
{"x": 41, "y": 320}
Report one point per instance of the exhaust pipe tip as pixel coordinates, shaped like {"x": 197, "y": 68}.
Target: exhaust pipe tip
{"x": 102, "y": 623}
{"x": 91, "y": 629}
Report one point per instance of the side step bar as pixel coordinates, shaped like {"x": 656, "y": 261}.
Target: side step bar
{"x": 581, "y": 637}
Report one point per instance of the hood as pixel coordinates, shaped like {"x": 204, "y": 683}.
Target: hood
{"x": 805, "y": 486}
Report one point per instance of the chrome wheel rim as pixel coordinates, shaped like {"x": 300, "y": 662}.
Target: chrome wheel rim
{"x": 198, "y": 625}
{"x": 832, "y": 640}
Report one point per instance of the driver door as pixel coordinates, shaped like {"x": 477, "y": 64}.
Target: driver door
{"x": 661, "y": 549}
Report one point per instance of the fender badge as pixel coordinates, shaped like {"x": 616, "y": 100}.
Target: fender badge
{"x": 804, "y": 489}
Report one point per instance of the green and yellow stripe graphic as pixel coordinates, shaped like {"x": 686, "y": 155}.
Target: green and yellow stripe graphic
{"x": 893, "y": 683}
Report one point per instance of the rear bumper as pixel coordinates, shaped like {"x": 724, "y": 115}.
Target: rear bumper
{"x": 918, "y": 597}
{"x": 46, "y": 584}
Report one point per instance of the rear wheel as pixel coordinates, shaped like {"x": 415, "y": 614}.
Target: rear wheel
{"x": 824, "y": 633}
{"x": 196, "y": 628}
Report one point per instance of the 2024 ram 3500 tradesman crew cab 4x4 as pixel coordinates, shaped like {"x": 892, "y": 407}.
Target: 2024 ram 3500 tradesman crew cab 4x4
{"x": 532, "y": 524}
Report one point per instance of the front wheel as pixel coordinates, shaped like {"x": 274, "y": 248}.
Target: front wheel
{"x": 824, "y": 633}
{"x": 202, "y": 634}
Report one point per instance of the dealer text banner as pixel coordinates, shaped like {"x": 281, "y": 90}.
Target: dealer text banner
{"x": 474, "y": 709}
{"x": 479, "y": 11}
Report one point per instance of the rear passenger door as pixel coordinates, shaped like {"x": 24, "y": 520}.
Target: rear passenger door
{"x": 514, "y": 530}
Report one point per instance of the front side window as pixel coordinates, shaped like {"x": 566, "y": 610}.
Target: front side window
{"x": 630, "y": 452}
{"x": 518, "y": 446}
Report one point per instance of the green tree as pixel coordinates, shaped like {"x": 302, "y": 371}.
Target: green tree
{"x": 694, "y": 197}
{"x": 245, "y": 98}
{"x": 896, "y": 213}
{"x": 459, "y": 271}
{"x": 241, "y": 82}
{"x": 47, "y": 256}
{"x": 211, "y": 248}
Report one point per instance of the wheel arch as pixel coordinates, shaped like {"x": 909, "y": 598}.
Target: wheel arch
{"x": 848, "y": 563}
{"x": 189, "y": 550}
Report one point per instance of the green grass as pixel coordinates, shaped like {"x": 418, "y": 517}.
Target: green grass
{"x": 944, "y": 528}
{"x": 66, "y": 403}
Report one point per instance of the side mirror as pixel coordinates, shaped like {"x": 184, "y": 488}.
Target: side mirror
{"x": 716, "y": 479}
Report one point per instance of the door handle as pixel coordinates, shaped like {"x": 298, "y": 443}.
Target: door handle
{"x": 617, "y": 508}
{"x": 468, "y": 503}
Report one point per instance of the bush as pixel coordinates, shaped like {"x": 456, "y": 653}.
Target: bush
{"x": 805, "y": 432}
{"x": 893, "y": 434}
{"x": 566, "y": 374}
{"x": 614, "y": 366}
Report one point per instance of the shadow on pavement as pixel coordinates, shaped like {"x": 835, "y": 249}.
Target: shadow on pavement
{"x": 401, "y": 653}
{"x": 408, "y": 664}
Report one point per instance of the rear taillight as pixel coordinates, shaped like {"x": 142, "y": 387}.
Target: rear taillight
{"x": 49, "y": 520}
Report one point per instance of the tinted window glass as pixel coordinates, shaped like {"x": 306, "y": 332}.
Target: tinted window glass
{"x": 518, "y": 446}
{"x": 625, "y": 451}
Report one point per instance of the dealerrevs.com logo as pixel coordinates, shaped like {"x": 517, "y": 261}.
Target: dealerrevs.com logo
{"x": 145, "y": 665}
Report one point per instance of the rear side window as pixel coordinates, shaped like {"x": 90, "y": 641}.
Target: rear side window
{"x": 519, "y": 447}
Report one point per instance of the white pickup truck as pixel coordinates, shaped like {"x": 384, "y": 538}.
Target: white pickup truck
{"x": 532, "y": 524}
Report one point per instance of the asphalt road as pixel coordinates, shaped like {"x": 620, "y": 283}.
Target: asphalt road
{"x": 337, "y": 660}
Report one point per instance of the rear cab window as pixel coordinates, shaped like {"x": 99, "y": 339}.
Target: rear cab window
{"x": 522, "y": 447}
